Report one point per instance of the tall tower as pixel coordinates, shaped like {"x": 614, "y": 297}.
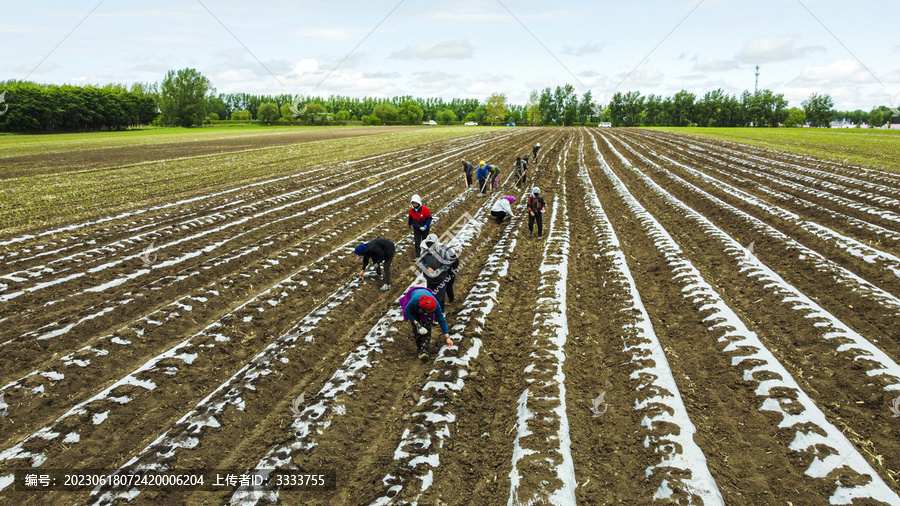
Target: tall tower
{"x": 756, "y": 84}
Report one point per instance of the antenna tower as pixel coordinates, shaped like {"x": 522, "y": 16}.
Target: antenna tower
{"x": 756, "y": 84}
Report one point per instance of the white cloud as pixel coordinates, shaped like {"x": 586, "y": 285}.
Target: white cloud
{"x": 584, "y": 49}
{"x": 305, "y": 66}
{"x": 841, "y": 71}
{"x": 45, "y": 66}
{"x": 712, "y": 85}
{"x": 482, "y": 86}
{"x": 693, "y": 77}
{"x": 323, "y": 33}
{"x": 716, "y": 65}
{"x": 355, "y": 84}
{"x": 478, "y": 12}
{"x": 234, "y": 76}
{"x": 156, "y": 68}
{"x": 643, "y": 78}
{"x": 381, "y": 75}
{"x": 346, "y": 62}
{"x": 773, "y": 49}
{"x": 591, "y": 79}
{"x": 430, "y": 82}
{"x": 453, "y": 50}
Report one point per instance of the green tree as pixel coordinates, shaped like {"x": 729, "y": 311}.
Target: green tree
{"x": 183, "y": 97}
{"x": 410, "y": 112}
{"x": 562, "y": 104}
{"x": 683, "y": 108}
{"x": 876, "y": 117}
{"x": 516, "y": 114}
{"x": 616, "y": 109}
{"x": 547, "y": 107}
{"x": 479, "y": 115}
{"x": 819, "y": 110}
{"x": 495, "y": 108}
{"x": 654, "y": 114}
{"x": 586, "y": 108}
{"x": 268, "y": 113}
{"x": 533, "y": 109}
{"x": 796, "y": 117}
{"x": 286, "y": 113}
{"x": 446, "y": 117}
{"x": 856, "y": 117}
{"x": 717, "y": 109}
{"x": 386, "y": 111}
{"x": 217, "y": 105}
{"x": 634, "y": 106}
{"x": 243, "y": 115}
{"x": 313, "y": 113}
{"x": 570, "y": 109}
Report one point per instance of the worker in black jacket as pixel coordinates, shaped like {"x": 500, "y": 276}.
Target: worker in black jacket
{"x": 536, "y": 211}
{"x": 379, "y": 251}
{"x": 440, "y": 265}
{"x": 469, "y": 169}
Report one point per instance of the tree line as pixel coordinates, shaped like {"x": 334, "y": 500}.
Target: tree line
{"x": 763, "y": 108}
{"x": 31, "y": 107}
{"x": 187, "y": 98}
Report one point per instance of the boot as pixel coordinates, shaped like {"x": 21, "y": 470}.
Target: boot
{"x": 421, "y": 347}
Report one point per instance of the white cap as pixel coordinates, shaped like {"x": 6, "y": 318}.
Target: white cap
{"x": 536, "y": 191}
{"x": 416, "y": 199}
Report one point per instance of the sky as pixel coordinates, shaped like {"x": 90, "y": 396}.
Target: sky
{"x": 465, "y": 48}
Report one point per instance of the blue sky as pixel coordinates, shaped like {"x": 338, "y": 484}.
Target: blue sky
{"x": 466, "y": 48}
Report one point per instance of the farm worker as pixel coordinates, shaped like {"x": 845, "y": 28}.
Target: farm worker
{"x": 534, "y": 151}
{"x": 419, "y": 221}
{"x": 421, "y": 309}
{"x": 482, "y": 176}
{"x": 520, "y": 172}
{"x": 379, "y": 251}
{"x": 536, "y": 211}
{"x": 494, "y": 176}
{"x": 439, "y": 264}
{"x": 469, "y": 169}
{"x": 502, "y": 207}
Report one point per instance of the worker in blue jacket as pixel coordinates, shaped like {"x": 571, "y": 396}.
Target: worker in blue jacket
{"x": 482, "y": 174}
{"x": 421, "y": 311}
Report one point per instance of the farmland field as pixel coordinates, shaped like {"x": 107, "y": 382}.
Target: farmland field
{"x": 701, "y": 322}
{"x": 849, "y": 146}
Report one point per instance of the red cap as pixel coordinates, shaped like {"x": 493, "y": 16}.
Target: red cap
{"x": 427, "y": 303}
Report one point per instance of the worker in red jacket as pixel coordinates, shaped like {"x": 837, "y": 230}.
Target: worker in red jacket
{"x": 419, "y": 221}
